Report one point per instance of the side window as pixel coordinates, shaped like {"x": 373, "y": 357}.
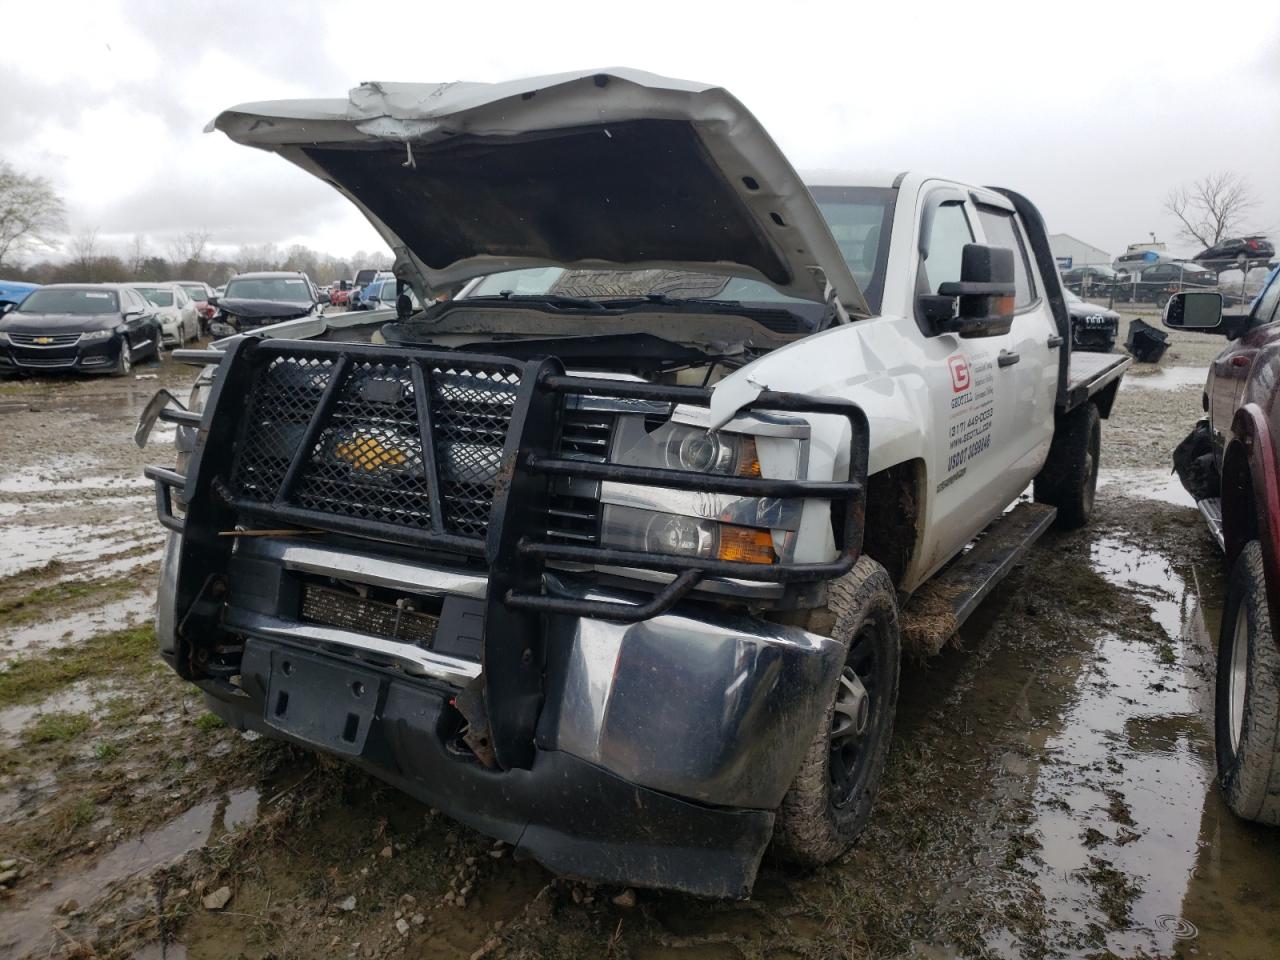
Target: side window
{"x": 1002, "y": 232}
{"x": 948, "y": 234}
{"x": 1264, "y": 312}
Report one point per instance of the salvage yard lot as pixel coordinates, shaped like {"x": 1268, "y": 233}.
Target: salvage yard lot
{"x": 1049, "y": 791}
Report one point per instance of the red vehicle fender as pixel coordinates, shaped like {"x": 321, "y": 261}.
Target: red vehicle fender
{"x": 1251, "y": 495}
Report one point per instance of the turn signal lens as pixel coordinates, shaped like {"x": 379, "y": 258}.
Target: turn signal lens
{"x": 748, "y": 460}
{"x": 746, "y": 544}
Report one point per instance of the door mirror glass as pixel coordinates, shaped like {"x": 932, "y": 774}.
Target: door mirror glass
{"x": 1194, "y": 310}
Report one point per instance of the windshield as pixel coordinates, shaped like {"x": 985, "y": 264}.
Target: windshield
{"x": 859, "y": 217}
{"x": 195, "y": 292}
{"x": 80, "y": 301}
{"x": 161, "y": 298}
{"x": 288, "y": 289}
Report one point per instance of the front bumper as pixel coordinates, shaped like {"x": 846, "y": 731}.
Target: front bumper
{"x": 87, "y": 358}
{"x": 662, "y": 748}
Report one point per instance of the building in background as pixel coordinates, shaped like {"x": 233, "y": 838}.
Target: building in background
{"x": 1071, "y": 253}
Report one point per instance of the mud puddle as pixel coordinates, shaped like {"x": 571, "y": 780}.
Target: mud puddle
{"x": 1127, "y": 815}
{"x": 30, "y": 925}
{"x": 1164, "y": 378}
{"x": 1159, "y": 485}
{"x": 67, "y": 627}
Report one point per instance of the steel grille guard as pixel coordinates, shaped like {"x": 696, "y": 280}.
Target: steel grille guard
{"x": 514, "y": 546}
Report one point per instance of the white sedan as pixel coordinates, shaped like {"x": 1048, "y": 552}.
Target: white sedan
{"x": 179, "y": 318}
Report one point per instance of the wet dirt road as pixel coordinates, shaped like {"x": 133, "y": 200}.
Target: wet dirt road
{"x": 1050, "y": 791}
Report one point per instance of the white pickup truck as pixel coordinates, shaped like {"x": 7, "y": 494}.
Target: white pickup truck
{"x": 612, "y": 554}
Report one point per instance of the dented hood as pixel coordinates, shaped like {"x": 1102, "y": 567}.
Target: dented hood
{"x": 614, "y": 169}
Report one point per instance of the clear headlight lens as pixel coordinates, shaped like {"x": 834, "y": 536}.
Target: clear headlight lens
{"x": 693, "y": 523}
{"x": 97, "y": 336}
{"x": 649, "y": 531}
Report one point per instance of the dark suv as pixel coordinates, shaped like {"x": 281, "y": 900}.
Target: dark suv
{"x": 89, "y": 327}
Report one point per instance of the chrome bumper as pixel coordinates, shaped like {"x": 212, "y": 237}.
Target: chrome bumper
{"x": 701, "y": 703}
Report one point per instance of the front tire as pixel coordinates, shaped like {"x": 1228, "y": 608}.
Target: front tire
{"x": 1247, "y": 702}
{"x": 124, "y": 365}
{"x": 1069, "y": 478}
{"x": 829, "y": 802}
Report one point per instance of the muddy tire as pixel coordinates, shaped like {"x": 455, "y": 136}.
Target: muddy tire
{"x": 124, "y": 365}
{"x": 830, "y": 800}
{"x": 1247, "y": 702}
{"x": 1069, "y": 477}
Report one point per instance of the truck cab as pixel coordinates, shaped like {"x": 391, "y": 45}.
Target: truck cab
{"x": 613, "y": 555}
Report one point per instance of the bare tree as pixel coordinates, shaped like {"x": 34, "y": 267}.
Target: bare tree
{"x": 1213, "y": 208}
{"x": 137, "y": 256}
{"x": 30, "y": 212}
{"x": 85, "y": 251}
{"x": 190, "y": 247}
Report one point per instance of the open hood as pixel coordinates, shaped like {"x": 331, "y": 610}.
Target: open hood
{"x": 614, "y": 169}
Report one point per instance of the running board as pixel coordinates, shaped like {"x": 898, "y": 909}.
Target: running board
{"x": 1211, "y": 510}
{"x": 935, "y": 611}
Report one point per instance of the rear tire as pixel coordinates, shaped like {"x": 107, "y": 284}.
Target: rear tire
{"x": 1069, "y": 478}
{"x": 829, "y": 802}
{"x": 1247, "y": 702}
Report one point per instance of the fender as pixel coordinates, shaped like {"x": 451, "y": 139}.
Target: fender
{"x": 1250, "y": 454}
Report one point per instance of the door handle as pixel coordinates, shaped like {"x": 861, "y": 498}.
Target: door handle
{"x": 1007, "y": 358}
{"x": 1055, "y": 342}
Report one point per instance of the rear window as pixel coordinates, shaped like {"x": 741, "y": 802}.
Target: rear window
{"x": 71, "y": 300}
{"x": 195, "y": 292}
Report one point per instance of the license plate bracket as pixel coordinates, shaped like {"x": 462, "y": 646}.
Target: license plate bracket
{"x": 330, "y": 706}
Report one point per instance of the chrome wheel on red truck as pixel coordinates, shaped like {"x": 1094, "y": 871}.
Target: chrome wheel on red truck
{"x": 1247, "y": 705}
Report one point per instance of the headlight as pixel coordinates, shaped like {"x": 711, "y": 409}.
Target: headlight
{"x": 97, "y": 336}
{"x": 695, "y": 523}
{"x": 649, "y": 531}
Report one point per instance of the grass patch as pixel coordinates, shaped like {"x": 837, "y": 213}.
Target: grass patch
{"x": 56, "y": 727}
{"x": 105, "y": 751}
{"x": 209, "y": 721}
{"x": 117, "y": 652}
{"x": 38, "y": 602}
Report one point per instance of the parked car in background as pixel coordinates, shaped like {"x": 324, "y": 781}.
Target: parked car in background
{"x": 360, "y": 294}
{"x": 339, "y": 296}
{"x": 1229, "y": 463}
{"x": 179, "y": 318}
{"x": 13, "y": 292}
{"x": 201, "y": 295}
{"x": 88, "y": 327}
{"x": 1089, "y": 280}
{"x": 256, "y": 300}
{"x": 1157, "y": 283}
{"x": 1229, "y": 253}
{"x": 1093, "y": 327}
{"x": 1139, "y": 256}
{"x": 381, "y": 295}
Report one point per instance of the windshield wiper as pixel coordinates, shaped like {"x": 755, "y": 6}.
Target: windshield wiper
{"x": 555, "y": 300}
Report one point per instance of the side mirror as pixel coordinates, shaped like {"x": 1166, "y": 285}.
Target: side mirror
{"x": 404, "y": 307}
{"x": 213, "y": 300}
{"x": 1193, "y": 310}
{"x": 984, "y": 293}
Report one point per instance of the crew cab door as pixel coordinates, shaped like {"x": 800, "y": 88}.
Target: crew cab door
{"x": 970, "y": 393}
{"x": 1231, "y": 368}
{"x": 1028, "y": 364}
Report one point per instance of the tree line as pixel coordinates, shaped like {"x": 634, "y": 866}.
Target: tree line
{"x": 33, "y": 216}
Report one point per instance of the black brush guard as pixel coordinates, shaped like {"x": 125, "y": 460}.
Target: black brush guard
{"x": 512, "y": 541}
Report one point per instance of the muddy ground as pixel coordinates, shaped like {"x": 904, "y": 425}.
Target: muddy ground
{"x": 1050, "y": 790}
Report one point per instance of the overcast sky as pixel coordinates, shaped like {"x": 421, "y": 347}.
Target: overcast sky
{"x": 1093, "y": 111}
